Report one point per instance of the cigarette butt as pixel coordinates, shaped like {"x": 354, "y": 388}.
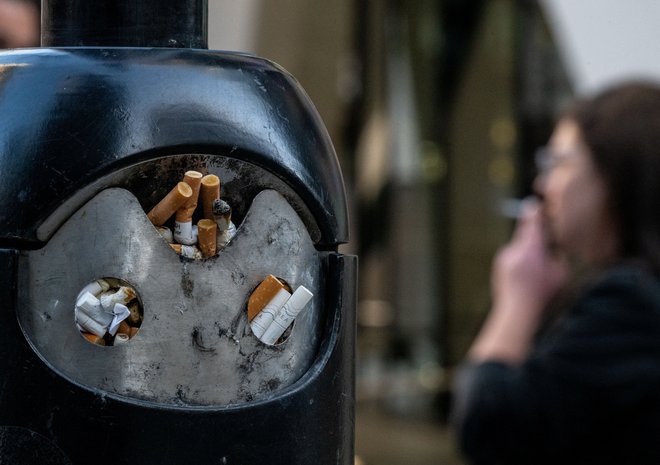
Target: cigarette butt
{"x": 286, "y": 315}
{"x": 93, "y": 338}
{"x": 225, "y": 236}
{"x": 170, "y": 203}
{"x": 91, "y": 306}
{"x": 134, "y": 319}
{"x": 185, "y": 233}
{"x": 188, "y": 251}
{"x": 221, "y": 214}
{"x": 185, "y": 212}
{"x": 206, "y": 231}
{"x": 89, "y": 324}
{"x": 210, "y": 190}
{"x": 166, "y": 233}
{"x": 264, "y": 319}
{"x": 123, "y": 296}
{"x": 95, "y": 287}
{"x": 124, "y": 328}
{"x": 133, "y": 332}
{"x": 263, "y": 294}
{"x": 121, "y": 338}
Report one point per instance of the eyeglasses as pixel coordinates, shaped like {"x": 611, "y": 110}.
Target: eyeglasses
{"x": 546, "y": 159}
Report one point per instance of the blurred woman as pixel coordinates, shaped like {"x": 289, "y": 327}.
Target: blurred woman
{"x": 566, "y": 368}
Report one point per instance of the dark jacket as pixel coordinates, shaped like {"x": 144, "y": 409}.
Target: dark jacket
{"x": 588, "y": 394}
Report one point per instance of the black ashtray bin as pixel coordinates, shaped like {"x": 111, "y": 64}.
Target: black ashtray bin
{"x": 93, "y": 135}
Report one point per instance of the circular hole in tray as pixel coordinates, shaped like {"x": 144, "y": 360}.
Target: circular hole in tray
{"x": 108, "y": 312}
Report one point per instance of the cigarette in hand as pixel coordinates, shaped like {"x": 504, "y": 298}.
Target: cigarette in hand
{"x": 286, "y": 315}
{"x": 170, "y": 204}
{"x": 206, "y": 236}
{"x": 210, "y": 190}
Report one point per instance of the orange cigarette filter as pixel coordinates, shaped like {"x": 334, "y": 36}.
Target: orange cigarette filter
{"x": 134, "y": 319}
{"x": 94, "y": 339}
{"x": 176, "y": 248}
{"x": 124, "y": 328}
{"x": 207, "y": 237}
{"x": 170, "y": 203}
{"x": 194, "y": 180}
{"x": 263, "y": 294}
{"x": 210, "y": 191}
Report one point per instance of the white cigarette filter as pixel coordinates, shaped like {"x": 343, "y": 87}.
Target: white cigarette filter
{"x": 95, "y": 287}
{"x": 286, "y": 315}
{"x": 88, "y": 324}
{"x": 121, "y": 338}
{"x": 224, "y": 237}
{"x": 120, "y": 313}
{"x": 265, "y": 317}
{"x": 188, "y": 251}
{"x": 123, "y": 296}
{"x": 221, "y": 214}
{"x": 89, "y": 305}
{"x": 166, "y": 233}
{"x": 185, "y": 233}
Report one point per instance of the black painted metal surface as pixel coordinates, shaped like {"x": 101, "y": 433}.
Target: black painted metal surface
{"x": 73, "y": 115}
{"x": 138, "y": 23}
{"x": 56, "y": 422}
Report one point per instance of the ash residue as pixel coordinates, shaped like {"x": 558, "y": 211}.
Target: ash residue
{"x": 187, "y": 284}
{"x": 198, "y": 342}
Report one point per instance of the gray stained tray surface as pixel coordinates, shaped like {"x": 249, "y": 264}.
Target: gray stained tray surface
{"x": 195, "y": 347}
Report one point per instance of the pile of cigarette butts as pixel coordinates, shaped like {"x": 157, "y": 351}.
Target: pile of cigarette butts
{"x": 107, "y": 312}
{"x": 211, "y": 233}
{"x": 272, "y": 308}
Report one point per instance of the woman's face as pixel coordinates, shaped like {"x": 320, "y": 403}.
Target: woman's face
{"x": 575, "y": 201}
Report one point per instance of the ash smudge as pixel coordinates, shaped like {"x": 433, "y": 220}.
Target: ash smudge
{"x": 198, "y": 342}
{"x": 187, "y": 284}
{"x": 238, "y": 277}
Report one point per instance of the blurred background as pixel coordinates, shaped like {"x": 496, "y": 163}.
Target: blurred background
{"x": 435, "y": 108}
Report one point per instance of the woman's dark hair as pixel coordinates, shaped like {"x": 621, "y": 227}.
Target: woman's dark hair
{"x": 621, "y": 127}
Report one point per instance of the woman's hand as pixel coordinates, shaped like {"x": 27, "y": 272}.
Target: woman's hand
{"x": 526, "y": 275}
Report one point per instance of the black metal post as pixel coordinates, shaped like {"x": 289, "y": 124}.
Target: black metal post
{"x": 139, "y": 23}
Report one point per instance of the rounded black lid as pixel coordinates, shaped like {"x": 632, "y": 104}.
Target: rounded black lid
{"x": 73, "y": 116}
